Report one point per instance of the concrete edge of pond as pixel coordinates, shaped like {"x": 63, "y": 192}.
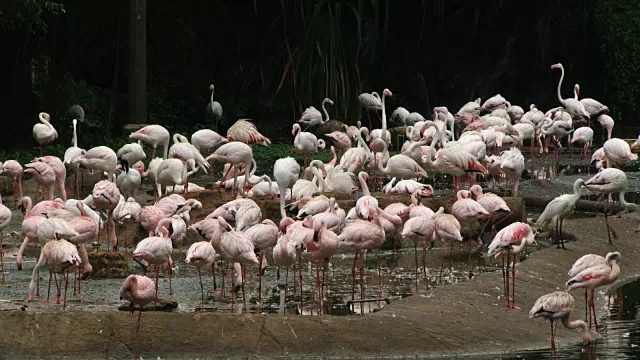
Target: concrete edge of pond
{"x": 451, "y": 320}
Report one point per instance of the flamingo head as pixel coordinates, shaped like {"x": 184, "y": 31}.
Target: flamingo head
{"x": 321, "y": 144}
{"x": 387, "y": 92}
{"x": 427, "y": 191}
{"x": 556, "y": 66}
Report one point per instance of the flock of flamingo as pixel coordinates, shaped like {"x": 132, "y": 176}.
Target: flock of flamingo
{"x": 313, "y": 226}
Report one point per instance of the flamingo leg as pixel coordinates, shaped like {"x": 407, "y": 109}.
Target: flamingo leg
{"x": 593, "y": 309}
{"x": 1, "y": 258}
{"x": 587, "y": 309}
{"x": 361, "y": 281}
{"x": 606, "y": 219}
{"x": 353, "y": 278}
{"x": 223, "y": 272}
{"x": 380, "y": 277}
{"x": 213, "y": 275}
{"x": 49, "y": 287}
{"x": 155, "y": 299}
{"x": 441, "y": 264}
{"x": 424, "y": 262}
{"x": 170, "y": 270}
{"x": 300, "y": 277}
{"x": 415, "y": 251}
{"x": 260, "y": 278}
{"x": 244, "y": 300}
{"x": 504, "y": 279}
{"x": 507, "y": 269}
{"x": 553, "y": 338}
{"x": 513, "y": 285}
{"x": 201, "y": 288}
{"x": 66, "y": 285}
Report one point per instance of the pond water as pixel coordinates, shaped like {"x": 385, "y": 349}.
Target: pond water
{"x": 620, "y": 332}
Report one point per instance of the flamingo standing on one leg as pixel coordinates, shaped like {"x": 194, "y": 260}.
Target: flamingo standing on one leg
{"x": 138, "y": 290}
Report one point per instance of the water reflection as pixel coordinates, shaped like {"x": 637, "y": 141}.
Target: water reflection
{"x": 620, "y": 333}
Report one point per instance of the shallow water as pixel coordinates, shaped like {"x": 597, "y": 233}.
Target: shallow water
{"x": 620, "y": 332}
{"x": 398, "y": 279}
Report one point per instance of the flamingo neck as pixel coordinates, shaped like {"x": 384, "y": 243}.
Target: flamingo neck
{"x": 363, "y": 185}
{"x": 560, "y": 84}
{"x": 385, "y": 155}
{"x": 384, "y": 114}
{"x": 75, "y": 136}
{"x": 318, "y": 176}
{"x": 324, "y": 110}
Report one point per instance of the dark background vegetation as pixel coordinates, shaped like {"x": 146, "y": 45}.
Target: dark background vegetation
{"x": 271, "y": 59}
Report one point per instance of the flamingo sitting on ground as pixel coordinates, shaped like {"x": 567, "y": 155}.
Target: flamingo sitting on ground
{"x": 153, "y": 135}
{"x": 312, "y": 117}
{"x": 245, "y": 131}
{"x": 556, "y": 306}
{"x": 590, "y": 272}
{"x": 511, "y": 240}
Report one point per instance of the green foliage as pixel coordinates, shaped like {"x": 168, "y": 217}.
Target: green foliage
{"x": 618, "y": 25}
{"x": 27, "y": 16}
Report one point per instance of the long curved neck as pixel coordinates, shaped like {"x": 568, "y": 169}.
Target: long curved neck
{"x": 361, "y": 142}
{"x": 385, "y": 154}
{"x": 75, "y": 136}
{"x": 384, "y": 113}
{"x": 560, "y": 84}
{"x": 211, "y": 99}
{"x": 165, "y": 154}
{"x": 364, "y": 186}
{"x": 324, "y": 110}
{"x": 318, "y": 176}
{"x": 575, "y": 324}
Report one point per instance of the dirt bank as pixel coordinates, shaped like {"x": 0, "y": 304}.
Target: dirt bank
{"x": 448, "y": 320}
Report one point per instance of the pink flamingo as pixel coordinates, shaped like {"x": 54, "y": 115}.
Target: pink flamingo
{"x": 591, "y": 261}
{"x": 13, "y": 170}
{"x": 150, "y": 216}
{"x": 105, "y": 196}
{"x": 305, "y": 143}
{"x": 573, "y": 106}
{"x": 467, "y": 211}
{"x": 264, "y": 236}
{"x": 595, "y": 276}
{"x": 100, "y": 158}
{"x": 237, "y": 247}
{"x": 153, "y": 135}
{"x": 156, "y": 250}
{"x": 323, "y": 246}
{"x": 87, "y": 229}
{"x": 138, "y": 290}
{"x": 363, "y": 235}
{"x": 33, "y": 217}
{"x": 511, "y": 240}
{"x": 583, "y": 135}
{"x": 44, "y": 176}
{"x": 340, "y": 139}
{"x": 202, "y": 255}
{"x": 59, "y": 254}
{"x": 512, "y": 164}
{"x": 608, "y": 181}
{"x": 204, "y": 140}
{"x": 60, "y": 171}
{"x": 555, "y": 306}
{"x": 447, "y": 228}
{"x": 420, "y": 228}
{"x": 494, "y": 204}
{"x": 234, "y": 153}
{"x": 284, "y": 256}
{"x": 617, "y": 152}
{"x": 607, "y": 124}
{"x": 245, "y": 131}
{"x": 5, "y": 219}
